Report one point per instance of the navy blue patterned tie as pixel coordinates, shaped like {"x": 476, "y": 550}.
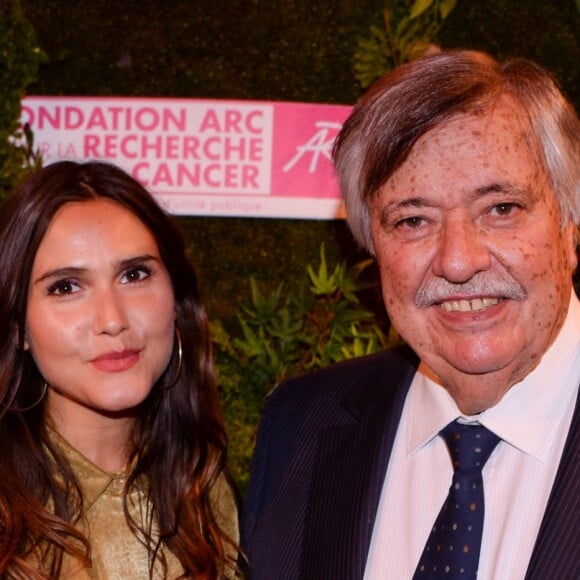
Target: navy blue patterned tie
{"x": 452, "y": 549}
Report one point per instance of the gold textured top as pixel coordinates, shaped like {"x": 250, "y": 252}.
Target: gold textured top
{"x": 115, "y": 551}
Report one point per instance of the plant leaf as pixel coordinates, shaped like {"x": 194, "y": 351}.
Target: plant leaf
{"x": 446, "y": 7}
{"x": 419, "y": 7}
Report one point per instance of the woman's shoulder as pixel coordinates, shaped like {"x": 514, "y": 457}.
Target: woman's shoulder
{"x": 224, "y": 507}
{"x": 225, "y": 511}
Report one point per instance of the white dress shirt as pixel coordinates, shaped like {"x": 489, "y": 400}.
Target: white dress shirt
{"x": 532, "y": 419}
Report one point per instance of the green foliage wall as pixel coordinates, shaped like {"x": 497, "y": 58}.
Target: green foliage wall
{"x": 316, "y": 319}
{"x": 248, "y": 49}
{"x": 545, "y": 31}
{"x": 294, "y": 50}
{"x": 19, "y": 60}
{"x": 301, "y": 50}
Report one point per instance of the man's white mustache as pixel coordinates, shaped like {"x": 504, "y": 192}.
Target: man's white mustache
{"x": 484, "y": 285}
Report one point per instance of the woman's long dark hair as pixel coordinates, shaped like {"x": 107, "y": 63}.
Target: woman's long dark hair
{"x": 178, "y": 430}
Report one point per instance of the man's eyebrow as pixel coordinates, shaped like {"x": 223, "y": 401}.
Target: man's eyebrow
{"x": 396, "y": 204}
{"x": 75, "y": 271}
{"x": 500, "y": 187}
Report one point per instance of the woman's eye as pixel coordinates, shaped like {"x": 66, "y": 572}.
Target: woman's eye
{"x": 136, "y": 274}
{"x": 63, "y": 287}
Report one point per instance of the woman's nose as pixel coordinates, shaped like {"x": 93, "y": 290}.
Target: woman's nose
{"x": 109, "y": 312}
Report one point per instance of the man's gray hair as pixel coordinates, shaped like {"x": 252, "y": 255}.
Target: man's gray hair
{"x": 414, "y": 98}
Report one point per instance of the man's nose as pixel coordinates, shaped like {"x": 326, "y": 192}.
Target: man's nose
{"x": 461, "y": 251}
{"x": 109, "y": 312}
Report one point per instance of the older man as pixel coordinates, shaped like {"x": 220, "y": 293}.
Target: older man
{"x": 458, "y": 457}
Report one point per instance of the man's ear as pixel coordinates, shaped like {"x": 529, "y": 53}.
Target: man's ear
{"x": 572, "y": 232}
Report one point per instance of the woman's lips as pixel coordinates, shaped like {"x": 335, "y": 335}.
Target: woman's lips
{"x": 114, "y": 362}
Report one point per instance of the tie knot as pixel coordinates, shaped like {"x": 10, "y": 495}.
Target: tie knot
{"x": 469, "y": 445}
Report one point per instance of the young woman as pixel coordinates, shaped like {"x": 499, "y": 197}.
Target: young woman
{"x": 112, "y": 453}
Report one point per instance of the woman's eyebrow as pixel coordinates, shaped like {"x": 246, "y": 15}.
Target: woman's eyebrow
{"x": 65, "y": 272}
{"x": 75, "y": 271}
{"x": 136, "y": 260}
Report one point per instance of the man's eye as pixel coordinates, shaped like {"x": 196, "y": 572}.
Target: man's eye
{"x": 136, "y": 274}
{"x": 62, "y": 287}
{"x": 410, "y": 222}
{"x": 503, "y": 209}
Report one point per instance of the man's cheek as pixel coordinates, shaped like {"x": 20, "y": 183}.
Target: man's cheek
{"x": 400, "y": 285}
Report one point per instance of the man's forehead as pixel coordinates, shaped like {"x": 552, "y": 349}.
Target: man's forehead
{"x": 500, "y": 139}
{"x": 504, "y": 122}
{"x": 475, "y": 155}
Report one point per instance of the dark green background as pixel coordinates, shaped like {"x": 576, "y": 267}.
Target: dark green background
{"x": 286, "y": 50}
{"x": 289, "y": 50}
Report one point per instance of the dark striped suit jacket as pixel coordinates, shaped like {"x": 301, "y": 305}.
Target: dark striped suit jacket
{"x": 318, "y": 470}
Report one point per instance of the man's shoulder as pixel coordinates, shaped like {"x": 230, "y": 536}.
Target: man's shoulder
{"x": 355, "y": 399}
{"x": 330, "y": 384}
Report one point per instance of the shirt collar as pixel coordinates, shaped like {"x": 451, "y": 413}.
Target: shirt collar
{"x": 93, "y": 480}
{"x": 528, "y": 415}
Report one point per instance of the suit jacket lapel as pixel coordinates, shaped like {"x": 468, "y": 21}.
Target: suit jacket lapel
{"x": 557, "y": 550}
{"x": 349, "y": 471}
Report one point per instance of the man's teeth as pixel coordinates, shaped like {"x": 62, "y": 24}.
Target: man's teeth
{"x": 468, "y": 305}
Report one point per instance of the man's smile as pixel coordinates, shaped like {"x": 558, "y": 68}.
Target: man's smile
{"x": 469, "y": 305}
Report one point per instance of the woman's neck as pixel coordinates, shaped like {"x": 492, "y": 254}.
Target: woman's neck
{"x": 104, "y": 440}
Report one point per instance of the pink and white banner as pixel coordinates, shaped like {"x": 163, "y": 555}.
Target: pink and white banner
{"x": 203, "y": 157}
